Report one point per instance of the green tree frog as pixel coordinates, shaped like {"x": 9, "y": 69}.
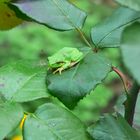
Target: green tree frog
{"x": 64, "y": 59}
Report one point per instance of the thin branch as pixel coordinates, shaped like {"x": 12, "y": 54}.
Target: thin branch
{"x": 83, "y": 37}
{"x": 125, "y": 81}
{"x": 131, "y": 103}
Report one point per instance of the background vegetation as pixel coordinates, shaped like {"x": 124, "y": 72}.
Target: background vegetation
{"x": 33, "y": 41}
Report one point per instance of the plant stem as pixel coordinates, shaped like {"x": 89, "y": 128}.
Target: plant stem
{"x": 131, "y": 103}
{"x": 26, "y": 113}
{"x": 125, "y": 81}
{"x": 84, "y": 38}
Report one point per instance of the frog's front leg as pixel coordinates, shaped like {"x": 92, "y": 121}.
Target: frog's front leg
{"x": 65, "y": 66}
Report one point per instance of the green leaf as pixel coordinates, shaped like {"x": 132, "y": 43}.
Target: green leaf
{"x": 23, "y": 81}
{"x": 76, "y": 82}
{"x": 134, "y": 4}
{"x": 130, "y": 49}
{"x": 10, "y": 116}
{"x": 91, "y": 106}
{"x": 57, "y": 14}
{"x": 108, "y": 33}
{"x": 52, "y": 122}
{"x": 136, "y": 122}
{"x": 111, "y": 128}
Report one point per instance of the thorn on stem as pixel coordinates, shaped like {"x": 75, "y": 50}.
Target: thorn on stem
{"x": 127, "y": 84}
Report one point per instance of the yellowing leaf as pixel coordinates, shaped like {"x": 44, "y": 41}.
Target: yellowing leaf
{"x": 1, "y": 1}
{"x": 17, "y": 138}
{"x": 22, "y": 122}
{"x": 8, "y": 18}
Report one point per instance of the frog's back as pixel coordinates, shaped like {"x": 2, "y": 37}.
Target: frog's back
{"x": 66, "y": 53}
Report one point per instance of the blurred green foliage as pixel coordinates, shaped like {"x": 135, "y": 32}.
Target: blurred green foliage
{"x": 32, "y": 41}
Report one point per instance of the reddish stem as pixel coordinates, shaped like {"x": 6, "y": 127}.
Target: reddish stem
{"x": 124, "y": 79}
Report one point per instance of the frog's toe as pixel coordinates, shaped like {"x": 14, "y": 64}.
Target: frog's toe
{"x": 55, "y": 71}
{"x": 58, "y": 70}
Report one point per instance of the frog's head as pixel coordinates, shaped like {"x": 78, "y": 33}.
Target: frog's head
{"x": 54, "y": 62}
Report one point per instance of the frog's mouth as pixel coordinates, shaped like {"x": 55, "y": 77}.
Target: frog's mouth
{"x": 61, "y": 62}
{"x": 56, "y": 65}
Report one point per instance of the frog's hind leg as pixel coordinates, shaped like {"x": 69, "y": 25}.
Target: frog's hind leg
{"x": 73, "y": 64}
